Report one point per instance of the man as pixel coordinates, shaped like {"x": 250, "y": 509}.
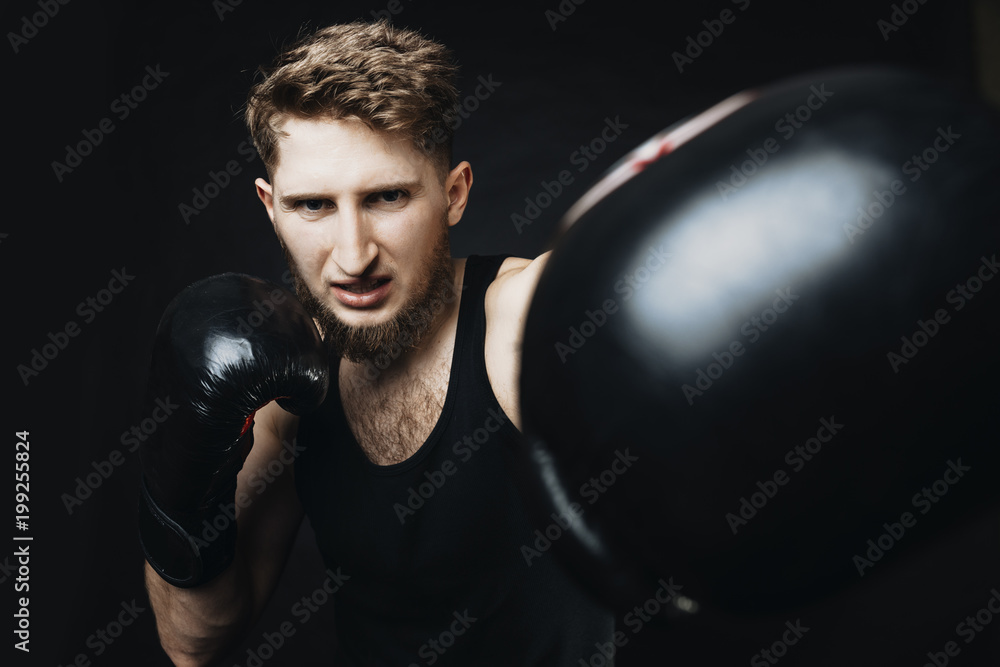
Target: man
{"x": 402, "y": 469}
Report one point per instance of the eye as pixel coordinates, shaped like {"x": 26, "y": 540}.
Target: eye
{"x": 390, "y": 196}
{"x": 311, "y": 205}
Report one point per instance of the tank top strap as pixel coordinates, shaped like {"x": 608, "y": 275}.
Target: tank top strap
{"x": 470, "y": 341}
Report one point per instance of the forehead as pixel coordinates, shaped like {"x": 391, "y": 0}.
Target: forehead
{"x": 344, "y": 154}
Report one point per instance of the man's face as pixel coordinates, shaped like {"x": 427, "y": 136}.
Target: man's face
{"x": 363, "y": 218}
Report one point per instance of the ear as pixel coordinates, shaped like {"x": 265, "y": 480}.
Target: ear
{"x": 265, "y": 194}
{"x": 457, "y": 186}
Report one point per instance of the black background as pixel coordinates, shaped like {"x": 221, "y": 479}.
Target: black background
{"x": 120, "y": 208}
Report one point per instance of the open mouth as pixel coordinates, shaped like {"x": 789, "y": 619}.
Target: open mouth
{"x": 362, "y": 293}
{"x": 362, "y": 286}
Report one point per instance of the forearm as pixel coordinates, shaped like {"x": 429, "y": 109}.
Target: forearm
{"x": 197, "y": 626}
{"x": 197, "y": 462}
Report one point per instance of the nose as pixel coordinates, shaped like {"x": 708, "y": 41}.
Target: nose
{"x": 354, "y": 248}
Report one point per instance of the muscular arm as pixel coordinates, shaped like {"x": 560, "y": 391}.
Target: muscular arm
{"x": 199, "y": 625}
{"x": 507, "y": 302}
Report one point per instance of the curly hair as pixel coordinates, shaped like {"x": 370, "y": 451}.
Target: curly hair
{"x": 391, "y": 79}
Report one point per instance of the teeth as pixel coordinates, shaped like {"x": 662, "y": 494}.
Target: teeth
{"x": 361, "y": 288}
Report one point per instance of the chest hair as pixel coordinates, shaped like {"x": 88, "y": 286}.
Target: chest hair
{"x": 392, "y": 415}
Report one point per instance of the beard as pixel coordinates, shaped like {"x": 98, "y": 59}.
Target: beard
{"x": 404, "y": 330}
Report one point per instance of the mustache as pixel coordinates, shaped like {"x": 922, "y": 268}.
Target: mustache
{"x": 384, "y": 341}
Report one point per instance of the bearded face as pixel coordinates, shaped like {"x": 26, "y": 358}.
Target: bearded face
{"x": 404, "y": 329}
{"x": 363, "y": 218}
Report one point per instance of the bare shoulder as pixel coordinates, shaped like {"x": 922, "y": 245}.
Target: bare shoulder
{"x": 507, "y": 301}
{"x": 511, "y": 291}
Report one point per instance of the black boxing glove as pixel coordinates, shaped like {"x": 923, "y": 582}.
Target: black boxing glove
{"x": 225, "y": 347}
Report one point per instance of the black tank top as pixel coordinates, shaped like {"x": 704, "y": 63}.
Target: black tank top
{"x": 431, "y": 547}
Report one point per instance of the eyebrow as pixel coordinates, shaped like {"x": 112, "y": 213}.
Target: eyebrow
{"x": 288, "y": 200}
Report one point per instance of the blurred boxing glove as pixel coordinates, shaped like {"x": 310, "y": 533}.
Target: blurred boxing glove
{"x": 732, "y": 296}
{"x": 225, "y": 347}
